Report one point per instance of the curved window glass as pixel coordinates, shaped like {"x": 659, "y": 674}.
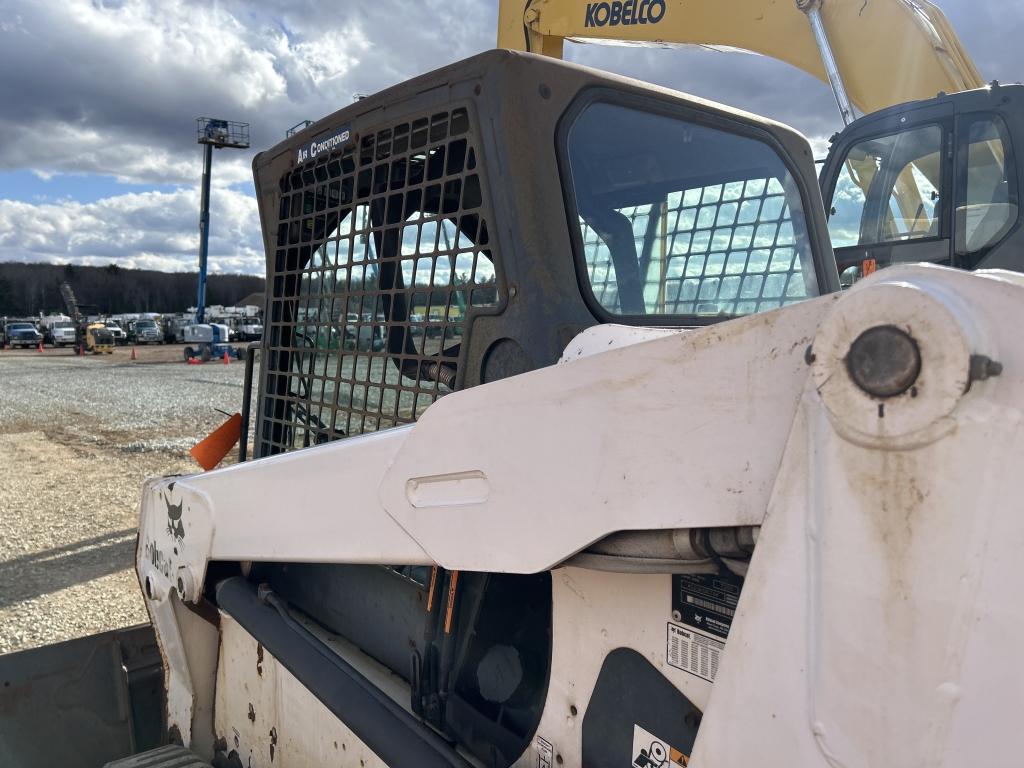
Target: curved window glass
{"x": 683, "y": 220}
{"x": 986, "y": 203}
{"x": 888, "y": 190}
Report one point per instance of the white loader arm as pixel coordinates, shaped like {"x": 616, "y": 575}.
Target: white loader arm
{"x": 880, "y": 619}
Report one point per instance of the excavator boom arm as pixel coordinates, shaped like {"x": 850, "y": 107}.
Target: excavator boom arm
{"x": 887, "y": 51}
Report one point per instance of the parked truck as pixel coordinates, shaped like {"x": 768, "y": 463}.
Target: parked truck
{"x": 145, "y": 331}
{"x": 58, "y": 330}
{"x": 21, "y": 334}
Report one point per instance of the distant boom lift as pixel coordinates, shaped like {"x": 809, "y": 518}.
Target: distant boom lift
{"x": 211, "y": 339}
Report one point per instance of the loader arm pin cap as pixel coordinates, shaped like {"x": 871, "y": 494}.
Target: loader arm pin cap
{"x": 884, "y": 361}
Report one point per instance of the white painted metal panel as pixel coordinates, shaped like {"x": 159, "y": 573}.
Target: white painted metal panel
{"x": 269, "y": 718}
{"x": 686, "y": 430}
{"x": 881, "y": 618}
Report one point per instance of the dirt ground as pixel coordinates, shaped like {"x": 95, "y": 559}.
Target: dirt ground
{"x": 78, "y": 436}
{"x": 145, "y": 353}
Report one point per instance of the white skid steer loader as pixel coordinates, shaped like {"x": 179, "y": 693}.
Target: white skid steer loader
{"x": 681, "y": 503}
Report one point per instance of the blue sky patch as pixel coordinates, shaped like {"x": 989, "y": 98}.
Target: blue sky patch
{"x": 27, "y": 187}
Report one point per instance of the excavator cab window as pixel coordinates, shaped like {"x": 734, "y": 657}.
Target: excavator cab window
{"x": 683, "y": 220}
{"x": 935, "y": 181}
{"x": 986, "y": 201}
{"x": 888, "y": 190}
{"x": 941, "y": 188}
{"x": 889, "y": 185}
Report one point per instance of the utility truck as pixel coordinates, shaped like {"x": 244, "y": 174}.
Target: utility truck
{"x": 58, "y": 330}
{"x": 628, "y": 482}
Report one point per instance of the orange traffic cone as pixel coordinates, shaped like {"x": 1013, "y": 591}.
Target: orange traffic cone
{"x": 40, "y": 349}
{"x": 194, "y": 361}
{"x": 227, "y": 358}
{"x": 133, "y": 355}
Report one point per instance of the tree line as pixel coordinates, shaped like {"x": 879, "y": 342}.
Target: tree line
{"x": 28, "y": 289}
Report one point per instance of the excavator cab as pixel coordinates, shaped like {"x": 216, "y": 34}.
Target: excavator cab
{"x": 936, "y": 181}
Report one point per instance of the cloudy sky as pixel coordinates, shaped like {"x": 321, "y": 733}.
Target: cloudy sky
{"x": 98, "y": 100}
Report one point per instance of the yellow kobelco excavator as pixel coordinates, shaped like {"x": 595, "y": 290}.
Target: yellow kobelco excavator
{"x": 874, "y": 54}
{"x": 928, "y": 174}
{"x": 627, "y": 482}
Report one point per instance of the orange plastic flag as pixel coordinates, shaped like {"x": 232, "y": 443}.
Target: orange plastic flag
{"x": 211, "y": 449}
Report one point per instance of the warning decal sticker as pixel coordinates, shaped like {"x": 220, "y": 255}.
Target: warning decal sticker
{"x": 706, "y": 602}
{"x": 544, "y": 752}
{"x": 651, "y": 752}
{"x": 694, "y": 652}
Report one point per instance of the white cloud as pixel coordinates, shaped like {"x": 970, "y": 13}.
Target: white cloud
{"x": 112, "y": 87}
{"x": 152, "y": 230}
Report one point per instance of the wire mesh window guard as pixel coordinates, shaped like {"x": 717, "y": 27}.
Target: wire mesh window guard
{"x": 684, "y": 219}
{"x": 720, "y": 249}
{"x": 382, "y": 254}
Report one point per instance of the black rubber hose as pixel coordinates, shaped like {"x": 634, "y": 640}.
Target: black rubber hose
{"x": 250, "y": 358}
{"x": 394, "y": 735}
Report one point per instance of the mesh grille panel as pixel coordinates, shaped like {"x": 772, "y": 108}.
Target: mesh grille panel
{"x": 382, "y": 255}
{"x": 722, "y": 249}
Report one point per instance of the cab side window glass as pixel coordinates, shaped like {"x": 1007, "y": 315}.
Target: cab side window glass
{"x": 685, "y": 220}
{"x": 987, "y": 203}
{"x": 888, "y": 190}
{"x": 848, "y": 200}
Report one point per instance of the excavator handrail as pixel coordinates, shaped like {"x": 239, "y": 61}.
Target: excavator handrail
{"x": 887, "y": 51}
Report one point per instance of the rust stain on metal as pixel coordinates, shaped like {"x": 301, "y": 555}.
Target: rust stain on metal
{"x": 453, "y": 586}
{"x": 174, "y": 736}
{"x": 889, "y": 487}
{"x": 430, "y": 589}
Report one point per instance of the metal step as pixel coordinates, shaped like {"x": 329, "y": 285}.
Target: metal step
{"x": 171, "y": 756}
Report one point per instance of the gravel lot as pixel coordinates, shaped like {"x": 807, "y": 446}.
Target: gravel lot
{"x": 77, "y": 438}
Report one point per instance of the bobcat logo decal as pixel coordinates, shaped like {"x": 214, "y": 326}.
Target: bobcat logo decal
{"x": 174, "y": 526}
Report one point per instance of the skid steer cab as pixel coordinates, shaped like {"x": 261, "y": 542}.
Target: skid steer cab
{"x": 936, "y": 181}
{"x": 425, "y": 243}
{"x": 205, "y": 341}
